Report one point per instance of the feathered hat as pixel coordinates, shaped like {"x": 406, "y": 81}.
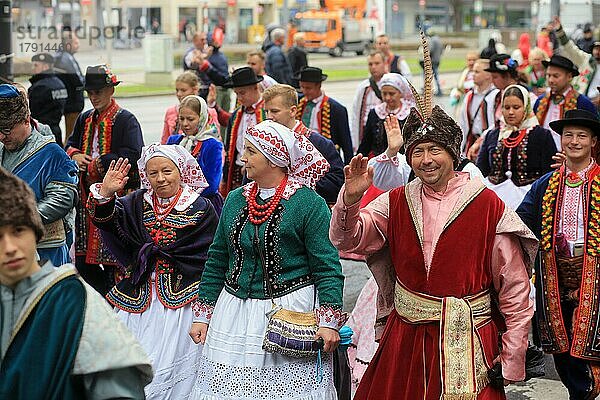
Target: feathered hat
{"x": 428, "y": 122}
{"x": 17, "y": 204}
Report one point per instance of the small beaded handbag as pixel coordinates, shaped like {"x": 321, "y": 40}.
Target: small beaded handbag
{"x": 290, "y": 333}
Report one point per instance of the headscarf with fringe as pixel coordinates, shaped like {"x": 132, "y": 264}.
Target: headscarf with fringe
{"x": 529, "y": 120}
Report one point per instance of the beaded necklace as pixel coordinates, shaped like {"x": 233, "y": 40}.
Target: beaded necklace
{"x": 259, "y": 213}
{"x": 512, "y": 142}
{"x": 161, "y": 211}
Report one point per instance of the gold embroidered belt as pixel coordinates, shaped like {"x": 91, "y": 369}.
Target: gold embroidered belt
{"x": 462, "y": 365}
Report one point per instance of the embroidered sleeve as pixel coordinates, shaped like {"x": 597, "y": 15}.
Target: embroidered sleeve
{"x": 100, "y": 209}
{"x": 202, "y": 311}
{"x": 95, "y": 192}
{"x": 329, "y": 316}
{"x": 390, "y": 173}
{"x": 71, "y": 151}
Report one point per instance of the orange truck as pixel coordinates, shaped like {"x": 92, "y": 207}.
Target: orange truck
{"x": 336, "y": 27}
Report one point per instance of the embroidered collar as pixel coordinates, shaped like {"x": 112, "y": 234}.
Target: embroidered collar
{"x": 583, "y": 174}
{"x": 301, "y": 129}
{"x": 400, "y": 113}
{"x": 187, "y": 198}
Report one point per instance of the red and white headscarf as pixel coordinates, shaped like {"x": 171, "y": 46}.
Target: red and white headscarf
{"x": 285, "y": 148}
{"x": 191, "y": 174}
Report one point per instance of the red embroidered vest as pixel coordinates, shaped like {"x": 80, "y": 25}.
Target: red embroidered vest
{"x": 461, "y": 264}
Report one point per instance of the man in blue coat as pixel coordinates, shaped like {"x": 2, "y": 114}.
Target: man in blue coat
{"x": 321, "y": 113}
{"x": 101, "y": 135}
{"x": 276, "y": 63}
{"x": 562, "y": 96}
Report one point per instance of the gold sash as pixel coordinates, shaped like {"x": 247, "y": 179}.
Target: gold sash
{"x": 462, "y": 365}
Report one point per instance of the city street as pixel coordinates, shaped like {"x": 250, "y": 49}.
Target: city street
{"x": 150, "y": 113}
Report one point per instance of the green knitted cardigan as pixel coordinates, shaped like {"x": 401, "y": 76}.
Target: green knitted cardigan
{"x": 297, "y": 250}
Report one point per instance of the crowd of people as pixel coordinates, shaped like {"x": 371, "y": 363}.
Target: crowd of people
{"x": 211, "y": 265}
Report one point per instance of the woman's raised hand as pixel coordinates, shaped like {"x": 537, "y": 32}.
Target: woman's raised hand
{"x": 394, "y": 135}
{"x": 116, "y": 177}
{"x": 359, "y": 176}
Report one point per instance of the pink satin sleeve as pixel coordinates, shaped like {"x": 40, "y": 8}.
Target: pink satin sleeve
{"x": 360, "y": 231}
{"x": 512, "y": 284}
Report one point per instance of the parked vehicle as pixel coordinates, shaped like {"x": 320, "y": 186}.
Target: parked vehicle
{"x": 336, "y": 27}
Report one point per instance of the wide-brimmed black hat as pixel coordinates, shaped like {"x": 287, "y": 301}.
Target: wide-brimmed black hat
{"x": 43, "y": 57}
{"x": 244, "y": 76}
{"x": 99, "y": 77}
{"x": 311, "y": 74}
{"x": 562, "y": 62}
{"x": 502, "y": 63}
{"x": 577, "y": 118}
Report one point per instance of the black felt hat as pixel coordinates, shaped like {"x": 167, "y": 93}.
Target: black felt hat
{"x": 502, "y": 63}
{"x": 98, "y": 77}
{"x": 562, "y": 62}
{"x": 311, "y": 74}
{"x": 244, "y": 76}
{"x": 43, "y": 57}
{"x": 577, "y": 117}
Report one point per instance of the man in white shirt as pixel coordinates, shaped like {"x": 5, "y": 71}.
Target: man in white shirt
{"x": 367, "y": 96}
{"x": 477, "y": 111}
{"x": 245, "y": 84}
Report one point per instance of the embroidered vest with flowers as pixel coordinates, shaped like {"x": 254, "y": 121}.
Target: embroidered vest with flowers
{"x": 569, "y": 103}
{"x": 509, "y": 161}
{"x": 323, "y": 117}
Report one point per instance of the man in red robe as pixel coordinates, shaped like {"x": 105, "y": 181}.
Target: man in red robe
{"x": 454, "y": 247}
